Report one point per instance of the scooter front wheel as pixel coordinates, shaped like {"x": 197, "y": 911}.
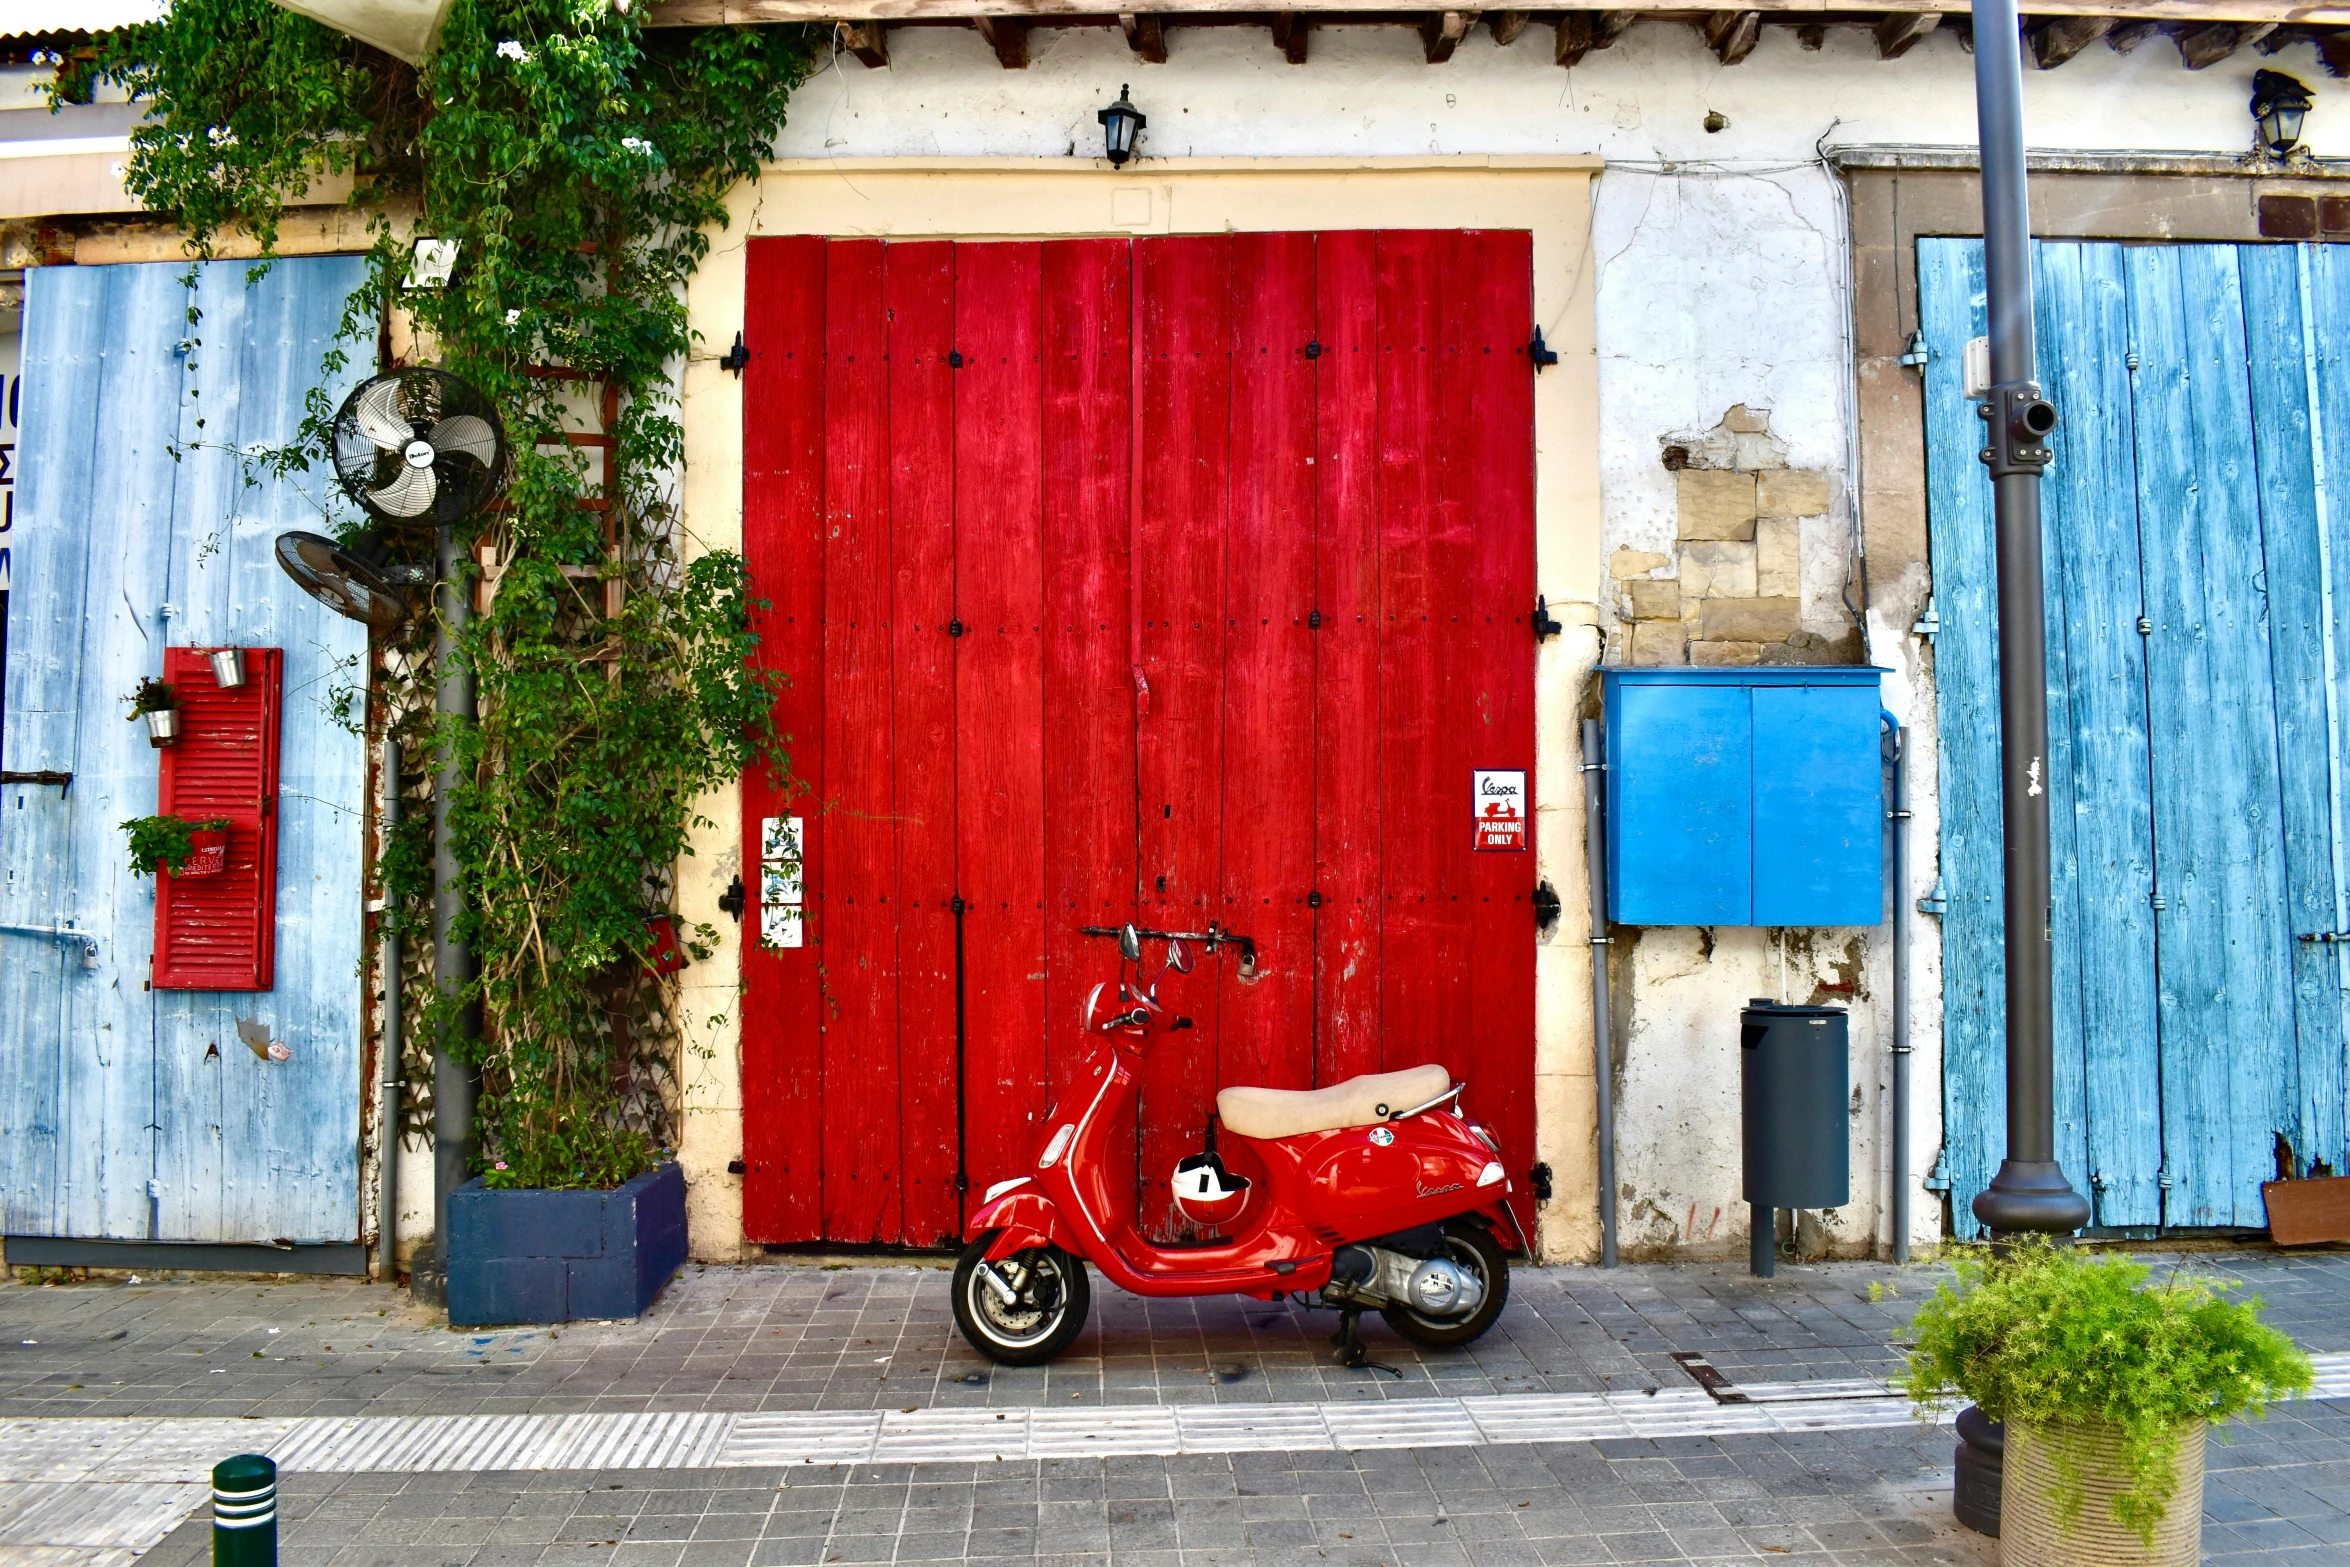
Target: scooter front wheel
{"x": 1024, "y": 1309}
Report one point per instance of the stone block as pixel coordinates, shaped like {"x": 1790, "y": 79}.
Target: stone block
{"x": 1655, "y": 600}
{"x": 1750, "y": 620}
{"x": 1656, "y": 643}
{"x": 1742, "y": 420}
{"x": 1718, "y": 655}
{"x": 1716, "y": 505}
{"x": 1793, "y": 492}
{"x": 1717, "y": 569}
{"x": 1778, "y": 557}
{"x": 1624, "y": 565}
{"x": 1757, "y": 452}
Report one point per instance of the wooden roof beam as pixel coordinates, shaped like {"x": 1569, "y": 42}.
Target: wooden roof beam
{"x": 1008, "y": 37}
{"x": 1731, "y": 35}
{"x": 1507, "y": 25}
{"x": 2059, "y": 39}
{"x": 1443, "y": 31}
{"x": 866, "y": 41}
{"x": 1289, "y": 35}
{"x": 1145, "y": 35}
{"x": 2204, "y": 44}
{"x": 1900, "y": 31}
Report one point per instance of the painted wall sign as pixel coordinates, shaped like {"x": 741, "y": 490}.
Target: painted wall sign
{"x": 1501, "y": 809}
{"x": 782, "y": 892}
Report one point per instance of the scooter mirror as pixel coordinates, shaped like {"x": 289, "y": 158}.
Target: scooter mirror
{"x": 1178, "y": 957}
{"x": 1129, "y": 945}
{"x": 1091, "y": 1010}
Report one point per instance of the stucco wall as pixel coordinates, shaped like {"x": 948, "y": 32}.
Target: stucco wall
{"x": 1720, "y": 264}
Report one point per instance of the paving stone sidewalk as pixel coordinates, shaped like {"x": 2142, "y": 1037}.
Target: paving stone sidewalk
{"x": 803, "y": 1336}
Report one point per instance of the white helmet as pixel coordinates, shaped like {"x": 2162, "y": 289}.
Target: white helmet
{"x": 1207, "y": 1194}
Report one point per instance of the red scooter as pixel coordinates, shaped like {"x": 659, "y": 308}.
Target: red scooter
{"x": 1372, "y": 1194}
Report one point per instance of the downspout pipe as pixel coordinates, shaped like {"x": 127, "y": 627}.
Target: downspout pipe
{"x": 387, "y": 1113}
{"x": 454, "y": 1085}
{"x": 1897, "y": 828}
{"x": 1603, "y": 1054}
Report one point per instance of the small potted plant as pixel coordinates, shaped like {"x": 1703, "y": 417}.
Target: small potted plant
{"x": 2107, "y": 1385}
{"x": 178, "y": 847}
{"x": 159, "y": 704}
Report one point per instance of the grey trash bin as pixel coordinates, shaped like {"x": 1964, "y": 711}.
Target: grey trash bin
{"x": 1795, "y": 1078}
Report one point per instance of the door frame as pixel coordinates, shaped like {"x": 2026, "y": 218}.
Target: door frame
{"x": 1547, "y": 197}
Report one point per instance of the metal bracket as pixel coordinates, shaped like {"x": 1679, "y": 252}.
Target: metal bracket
{"x": 1546, "y": 905}
{"x": 734, "y": 899}
{"x": 2021, "y": 421}
{"x": 40, "y": 776}
{"x": 954, "y": 359}
{"x": 1543, "y": 355}
{"x": 1540, "y": 1179}
{"x": 737, "y": 358}
{"x": 1935, "y": 902}
{"x": 1313, "y": 350}
{"x": 2326, "y": 937}
{"x": 1918, "y": 354}
{"x": 65, "y": 935}
{"x": 1314, "y": 620}
{"x": 955, "y": 628}
{"x": 1546, "y": 625}
{"x": 1929, "y": 624}
{"x": 1314, "y": 901}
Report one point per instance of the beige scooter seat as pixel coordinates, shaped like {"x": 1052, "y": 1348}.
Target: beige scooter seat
{"x": 1359, "y": 1101}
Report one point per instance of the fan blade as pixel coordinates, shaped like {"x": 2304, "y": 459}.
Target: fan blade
{"x": 378, "y": 417}
{"x": 466, "y": 435}
{"x": 410, "y": 495}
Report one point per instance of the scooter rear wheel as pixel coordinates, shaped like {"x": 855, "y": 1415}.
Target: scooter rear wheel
{"x": 1050, "y": 1297}
{"x": 1473, "y": 1250}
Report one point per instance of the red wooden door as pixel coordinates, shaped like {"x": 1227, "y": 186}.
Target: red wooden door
{"x": 1172, "y": 579}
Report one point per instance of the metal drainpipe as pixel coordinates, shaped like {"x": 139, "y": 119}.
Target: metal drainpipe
{"x": 387, "y": 1115}
{"x": 454, "y": 1085}
{"x": 1603, "y": 1053}
{"x": 1897, "y": 823}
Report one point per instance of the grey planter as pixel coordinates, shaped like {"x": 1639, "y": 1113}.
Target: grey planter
{"x": 549, "y": 1256}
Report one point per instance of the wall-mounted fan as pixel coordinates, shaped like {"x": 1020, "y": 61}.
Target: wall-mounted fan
{"x": 355, "y": 580}
{"x": 419, "y": 445}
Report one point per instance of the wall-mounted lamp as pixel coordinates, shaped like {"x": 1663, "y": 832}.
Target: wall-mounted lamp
{"x": 431, "y": 263}
{"x": 1121, "y": 123}
{"x": 2279, "y": 103}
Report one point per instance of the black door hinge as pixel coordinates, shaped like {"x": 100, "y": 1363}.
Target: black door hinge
{"x": 962, "y": 1182}
{"x": 956, "y": 905}
{"x": 1539, "y": 1179}
{"x": 1546, "y": 625}
{"x": 738, "y": 358}
{"x": 733, "y": 899}
{"x": 954, "y": 359}
{"x": 1313, "y": 350}
{"x": 1541, "y": 353}
{"x": 955, "y": 628}
{"x": 736, "y": 1167}
{"x": 1314, "y": 620}
{"x": 1546, "y": 905}
{"x": 1314, "y": 901}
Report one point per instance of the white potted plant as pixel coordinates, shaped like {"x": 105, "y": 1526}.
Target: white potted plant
{"x": 159, "y": 704}
{"x": 2108, "y": 1385}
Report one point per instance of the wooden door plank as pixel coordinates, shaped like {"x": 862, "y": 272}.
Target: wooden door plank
{"x": 1424, "y": 564}
{"x": 1266, "y": 1026}
{"x": 1974, "y": 969}
{"x": 1489, "y": 405}
{"x": 1183, "y": 375}
{"x": 783, "y": 545}
{"x": 2323, "y": 1076}
{"x": 42, "y": 985}
{"x": 2101, "y": 826}
{"x": 858, "y": 807}
{"x": 918, "y": 287}
{"x": 1087, "y": 454}
{"x": 1348, "y": 946}
{"x": 2296, "y": 578}
{"x": 2227, "y": 1045}
{"x": 999, "y": 703}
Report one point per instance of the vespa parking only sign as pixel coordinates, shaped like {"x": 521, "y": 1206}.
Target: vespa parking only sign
{"x": 1501, "y": 810}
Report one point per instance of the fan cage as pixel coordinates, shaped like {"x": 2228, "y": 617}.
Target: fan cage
{"x": 423, "y": 398}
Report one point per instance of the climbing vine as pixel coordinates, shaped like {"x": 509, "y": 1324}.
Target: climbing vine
{"x": 579, "y": 162}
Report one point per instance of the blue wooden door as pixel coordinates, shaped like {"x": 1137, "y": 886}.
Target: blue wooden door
{"x": 127, "y": 1113}
{"x": 2195, "y": 721}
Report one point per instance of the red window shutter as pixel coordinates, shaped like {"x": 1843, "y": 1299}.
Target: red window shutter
{"x": 219, "y": 932}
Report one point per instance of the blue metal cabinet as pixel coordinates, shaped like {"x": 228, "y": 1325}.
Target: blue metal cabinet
{"x": 1744, "y": 796}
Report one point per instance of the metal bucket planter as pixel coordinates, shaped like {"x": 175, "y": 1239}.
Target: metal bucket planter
{"x": 2031, "y": 1536}
{"x": 163, "y": 725}
{"x": 228, "y": 667}
{"x": 207, "y": 854}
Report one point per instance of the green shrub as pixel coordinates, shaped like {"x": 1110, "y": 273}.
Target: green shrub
{"x": 2047, "y": 1337}
{"x": 165, "y": 842}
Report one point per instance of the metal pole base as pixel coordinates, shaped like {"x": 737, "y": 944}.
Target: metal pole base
{"x": 1762, "y": 1253}
{"x": 1982, "y": 1460}
{"x": 2031, "y": 1196}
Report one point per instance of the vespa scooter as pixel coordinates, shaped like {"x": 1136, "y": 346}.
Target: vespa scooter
{"x": 1376, "y": 1193}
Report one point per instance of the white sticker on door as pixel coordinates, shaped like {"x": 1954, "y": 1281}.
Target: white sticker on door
{"x": 1500, "y": 809}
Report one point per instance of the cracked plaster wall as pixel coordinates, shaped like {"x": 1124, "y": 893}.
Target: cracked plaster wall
{"x": 1720, "y": 267}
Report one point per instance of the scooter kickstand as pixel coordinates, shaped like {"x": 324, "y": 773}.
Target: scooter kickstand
{"x": 1353, "y": 1353}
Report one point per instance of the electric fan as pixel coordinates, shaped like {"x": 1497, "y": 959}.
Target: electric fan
{"x": 355, "y": 580}
{"x": 419, "y": 446}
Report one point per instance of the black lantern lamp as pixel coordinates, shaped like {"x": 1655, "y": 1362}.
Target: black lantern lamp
{"x": 1122, "y": 121}
{"x": 2279, "y": 103}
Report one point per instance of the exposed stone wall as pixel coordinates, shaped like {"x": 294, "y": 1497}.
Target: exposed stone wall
{"x": 1749, "y": 533}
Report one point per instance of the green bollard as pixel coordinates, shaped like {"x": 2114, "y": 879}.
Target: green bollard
{"x": 244, "y": 1512}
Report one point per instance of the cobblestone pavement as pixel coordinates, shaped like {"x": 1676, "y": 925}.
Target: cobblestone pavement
{"x": 801, "y": 1336}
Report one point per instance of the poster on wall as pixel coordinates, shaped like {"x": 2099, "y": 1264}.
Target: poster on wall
{"x": 1500, "y": 810}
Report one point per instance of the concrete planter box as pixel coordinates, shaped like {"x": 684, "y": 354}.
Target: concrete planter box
{"x": 546, "y": 1256}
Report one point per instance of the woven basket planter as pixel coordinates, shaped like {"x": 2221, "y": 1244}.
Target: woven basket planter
{"x": 2029, "y": 1535}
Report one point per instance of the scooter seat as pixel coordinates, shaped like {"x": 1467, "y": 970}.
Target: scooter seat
{"x": 1359, "y": 1101}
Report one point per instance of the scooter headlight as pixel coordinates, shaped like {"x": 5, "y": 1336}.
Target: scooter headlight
{"x": 1492, "y": 1173}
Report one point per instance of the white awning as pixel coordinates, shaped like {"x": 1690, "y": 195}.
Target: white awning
{"x": 405, "y": 28}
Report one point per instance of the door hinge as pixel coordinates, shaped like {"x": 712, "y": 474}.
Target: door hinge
{"x": 954, "y": 359}
{"x": 1546, "y": 625}
{"x": 733, "y": 899}
{"x": 955, "y": 628}
{"x": 2162, "y": 1176}
{"x": 738, "y": 358}
{"x": 1546, "y": 905}
{"x": 1313, "y": 620}
{"x": 2157, "y": 902}
{"x": 1935, "y": 902}
{"x": 1929, "y": 624}
{"x": 2130, "y": 360}
{"x": 1919, "y": 352}
{"x": 2145, "y": 626}
{"x": 1313, "y": 350}
{"x": 1314, "y": 901}
{"x": 956, "y": 905}
{"x": 1539, "y": 1178}
{"x": 1540, "y": 352}
{"x": 1938, "y": 1178}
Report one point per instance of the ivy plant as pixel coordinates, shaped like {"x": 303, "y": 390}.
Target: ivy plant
{"x": 579, "y": 162}
{"x": 164, "y": 843}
